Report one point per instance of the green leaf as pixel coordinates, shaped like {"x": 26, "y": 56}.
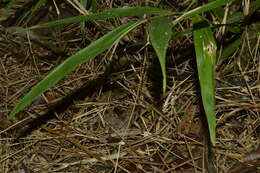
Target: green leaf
{"x": 82, "y": 24}
{"x": 204, "y": 8}
{"x": 219, "y": 12}
{"x": 95, "y": 6}
{"x": 84, "y": 3}
{"x": 112, "y": 13}
{"x": 160, "y": 33}
{"x": 232, "y": 47}
{"x": 205, "y": 48}
{"x": 94, "y": 49}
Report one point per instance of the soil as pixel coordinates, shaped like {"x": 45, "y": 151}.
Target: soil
{"x": 109, "y": 114}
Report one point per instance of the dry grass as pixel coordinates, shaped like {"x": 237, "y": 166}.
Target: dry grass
{"x": 121, "y": 124}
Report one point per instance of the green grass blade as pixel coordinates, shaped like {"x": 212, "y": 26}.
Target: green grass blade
{"x": 38, "y": 5}
{"x": 94, "y": 6}
{"x": 69, "y": 64}
{"x": 84, "y": 3}
{"x": 190, "y": 5}
{"x": 204, "y": 8}
{"x": 160, "y": 33}
{"x": 219, "y": 12}
{"x": 112, "y": 13}
{"x": 205, "y": 48}
{"x": 82, "y": 24}
{"x": 231, "y": 48}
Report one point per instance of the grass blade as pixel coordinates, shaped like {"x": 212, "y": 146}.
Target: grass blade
{"x": 219, "y": 12}
{"x": 160, "y": 34}
{"x": 205, "y": 48}
{"x": 69, "y": 64}
{"x": 112, "y": 13}
{"x": 94, "y": 6}
{"x": 82, "y": 24}
{"x": 204, "y": 8}
{"x": 84, "y": 3}
{"x": 231, "y": 48}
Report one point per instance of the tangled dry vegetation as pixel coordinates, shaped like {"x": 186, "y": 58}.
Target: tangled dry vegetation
{"x": 109, "y": 115}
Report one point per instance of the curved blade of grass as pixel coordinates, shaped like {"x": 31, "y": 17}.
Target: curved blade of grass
{"x": 160, "y": 33}
{"x": 232, "y": 47}
{"x": 69, "y": 64}
{"x": 112, "y": 13}
{"x": 219, "y": 12}
{"x": 204, "y": 8}
{"x": 205, "y": 48}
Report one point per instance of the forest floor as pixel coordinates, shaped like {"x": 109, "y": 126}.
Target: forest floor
{"x": 110, "y": 115}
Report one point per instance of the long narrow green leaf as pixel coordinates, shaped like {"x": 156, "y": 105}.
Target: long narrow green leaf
{"x": 219, "y": 12}
{"x": 160, "y": 34}
{"x": 95, "y": 6}
{"x": 84, "y": 3}
{"x": 231, "y": 48}
{"x": 82, "y": 24}
{"x": 205, "y": 48}
{"x": 112, "y": 13}
{"x": 204, "y": 8}
{"x": 69, "y": 64}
